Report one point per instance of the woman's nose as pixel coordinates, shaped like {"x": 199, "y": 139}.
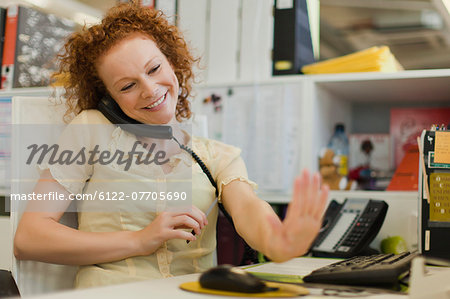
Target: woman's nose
{"x": 148, "y": 88}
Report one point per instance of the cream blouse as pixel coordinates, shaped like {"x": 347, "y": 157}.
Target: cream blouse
{"x": 174, "y": 257}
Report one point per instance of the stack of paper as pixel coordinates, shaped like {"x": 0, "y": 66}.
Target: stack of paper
{"x": 375, "y": 59}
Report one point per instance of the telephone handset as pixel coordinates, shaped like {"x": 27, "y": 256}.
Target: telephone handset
{"x": 111, "y": 110}
{"x": 349, "y": 228}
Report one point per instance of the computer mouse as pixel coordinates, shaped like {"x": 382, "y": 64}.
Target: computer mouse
{"x": 232, "y": 279}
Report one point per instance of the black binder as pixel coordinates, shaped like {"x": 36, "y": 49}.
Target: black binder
{"x": 2, "y": 33}
{"x": 292, "y": 44}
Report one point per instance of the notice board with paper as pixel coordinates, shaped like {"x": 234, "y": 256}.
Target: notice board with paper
{"x": 434, "y": 194}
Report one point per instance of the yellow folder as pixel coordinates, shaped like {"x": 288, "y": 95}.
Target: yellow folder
{"x": 375, "y": 59}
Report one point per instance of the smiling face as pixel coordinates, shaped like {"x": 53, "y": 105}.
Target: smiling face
{"x": 140, "y": 79}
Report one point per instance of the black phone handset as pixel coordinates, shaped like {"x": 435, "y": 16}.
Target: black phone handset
{"x": 111, "y": 110}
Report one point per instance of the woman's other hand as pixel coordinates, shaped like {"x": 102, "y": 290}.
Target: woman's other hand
{"x": 171, "y": 225}
{"x": 293, "y": 236}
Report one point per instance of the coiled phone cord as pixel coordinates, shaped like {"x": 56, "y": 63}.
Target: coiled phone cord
{"x": 200, "y": 163}
{"x": 250, "y": 255}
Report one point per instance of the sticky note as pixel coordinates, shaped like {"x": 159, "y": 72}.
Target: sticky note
{"x": 442, "y": 147}
{"x": 440, "y": 197}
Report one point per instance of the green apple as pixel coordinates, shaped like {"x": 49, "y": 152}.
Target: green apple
{"x": 395, "y": 244}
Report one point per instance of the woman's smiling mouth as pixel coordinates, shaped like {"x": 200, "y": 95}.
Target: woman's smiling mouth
{"x": 157, "y": 103}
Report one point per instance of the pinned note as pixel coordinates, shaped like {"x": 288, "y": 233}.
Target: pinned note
{"x": 440, "y": 197}
{"x": 442, "y": 147}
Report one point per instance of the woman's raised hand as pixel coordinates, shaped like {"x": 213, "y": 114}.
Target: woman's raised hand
{"x": 294, "y": 235}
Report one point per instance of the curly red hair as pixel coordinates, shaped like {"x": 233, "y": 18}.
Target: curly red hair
{"x": 84, "y": 88}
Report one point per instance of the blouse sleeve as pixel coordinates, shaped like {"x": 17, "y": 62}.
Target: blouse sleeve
{"x": 226, "y": 164}
{"x": 73, "y": 169}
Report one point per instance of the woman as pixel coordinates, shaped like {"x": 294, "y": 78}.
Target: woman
{"x": 143, "y": 63}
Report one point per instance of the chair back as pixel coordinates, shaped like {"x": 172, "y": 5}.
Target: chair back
{"x": 36, "y": 277}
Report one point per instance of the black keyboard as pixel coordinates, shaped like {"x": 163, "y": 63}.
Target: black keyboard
{"x": 379, "y": 269}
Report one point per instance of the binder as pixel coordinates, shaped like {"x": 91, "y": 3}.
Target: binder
{"x": 434, "y": 196}
{"x": 9, "y": 47}
{"x": 292, "y": 44}
{"x": 32, "y": 40}
{"x": 2, "y": 34}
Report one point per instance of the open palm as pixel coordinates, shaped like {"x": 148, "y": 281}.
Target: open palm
{"x": 294, "y": 235}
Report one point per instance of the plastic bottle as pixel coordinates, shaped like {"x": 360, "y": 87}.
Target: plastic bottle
{"x": 339, "y": 144}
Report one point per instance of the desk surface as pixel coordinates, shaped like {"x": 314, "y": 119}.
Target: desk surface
{"x": 169, "y": 288}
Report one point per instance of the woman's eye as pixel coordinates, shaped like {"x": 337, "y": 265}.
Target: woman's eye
{"x": 151, "y": 71}
{"x": 126, "y": 87}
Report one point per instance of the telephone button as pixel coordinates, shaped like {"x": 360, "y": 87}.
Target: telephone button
{"x": 344, "y": 248}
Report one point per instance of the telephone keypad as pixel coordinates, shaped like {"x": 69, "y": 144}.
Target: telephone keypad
{"x": 360, "y": 228}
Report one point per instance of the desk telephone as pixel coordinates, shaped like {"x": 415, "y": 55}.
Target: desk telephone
{"x": 348, "y": 228}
